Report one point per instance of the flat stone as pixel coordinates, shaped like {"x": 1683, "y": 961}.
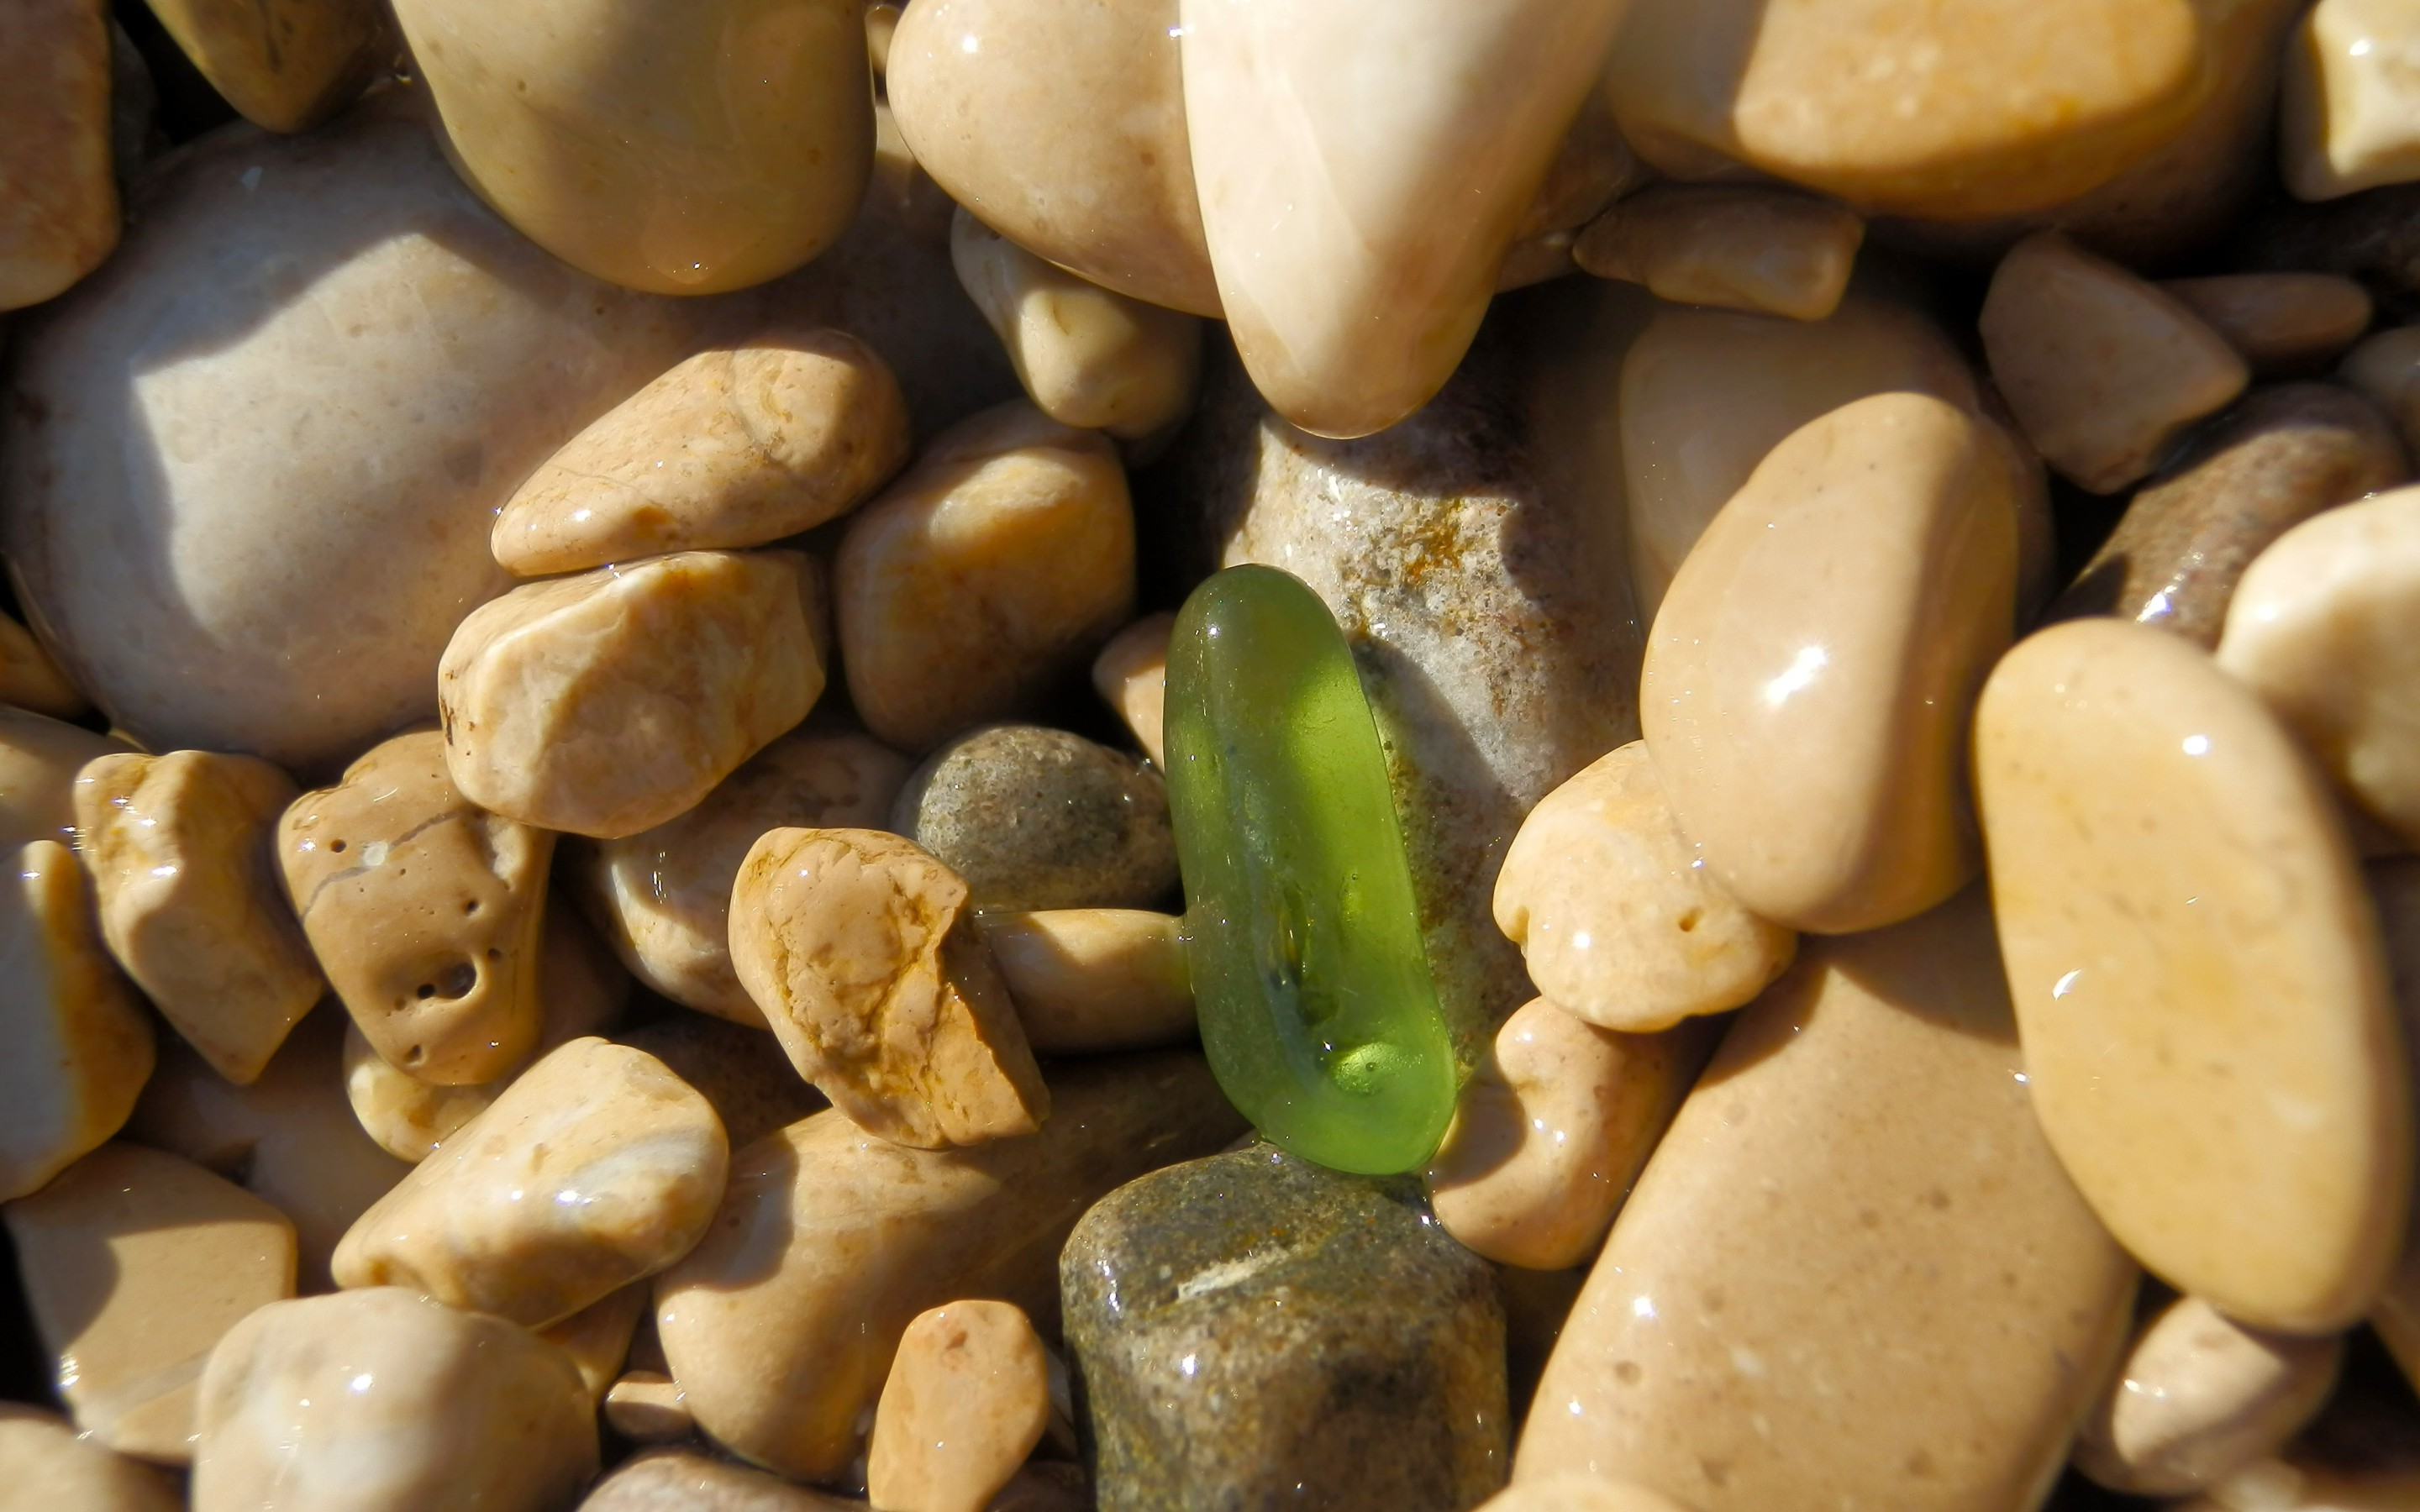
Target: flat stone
{"x": 2196, "y": 972}
{"x": 60, "y": 217}
{"x": 1251, "y": 1329}
{"x": 2386, "y": 370}
{"x": 1093, "y": 979}
{"x": 680, "y": 1480}
{"x": 30, "y": 678}
{"x": 1735, "y": 248}
{"x": 1039, "y": 818}
{"x": 1131, "y": 673}
{"x": 968, "y": 1398}
{"x": 2352, "y": 82}
{"x": 1853, "y": 1272}
{"x": 51, "y": 1466}
{"x": 2285, "y": 324}
{"x": 285, "y": 65}
{"x": 742, "y": 1072}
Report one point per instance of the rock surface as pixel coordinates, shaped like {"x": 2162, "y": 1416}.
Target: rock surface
{"x": 2285, "y": 324}
{"x": 2346, "y": 122}
{"x": 676, "y": 1480}
{"x": 1734, "y": 249}
{"x": 1131, "y": 675}
{"x": 60, "y": 217}
{"x": 1039, "y": 818}
{"x": 1091, "y": 979}
{"x": 50, "y": 1465}
{"x": 741, "y": 1071}
{"x": 285, "y": 65}
{"x": 968, "y": 1398}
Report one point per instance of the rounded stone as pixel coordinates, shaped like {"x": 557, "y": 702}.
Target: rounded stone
{"x": 1037, "y": 818}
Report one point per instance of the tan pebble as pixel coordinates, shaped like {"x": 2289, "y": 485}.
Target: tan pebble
{"x": 1579, "y": 1493}
{"x": 594, "y": 1168}
{"x": 2351, "y": 92}
{"x": 381, "y": 1402}
{"x": 690, "y": 1480}
{"x": 31, "y": 679}
{"x": 736, "y": 446}
{"x": 606, "y": 703}
{"x": 1552, "y": 1129}
{"x": 58, "y": 200}
{"x": 741, "y": 1071}
{"x": 40, "y": 759}
{"x": 2386, "y": 369}
{"x": 2200, "y": 1397}
{"x": 1807, "y": 687}
{"x": 179, "y": 851}
{"x": 284, "y": 65}
{"x": 1853, "y": 1272}
{"x": 1736, "y": 249}
{"x": 423, "y": 911}
{"x": 662, "y": 897}
{"x": 2282, "y": 323}
{"x": 850, "y": 941}
{"x": 1087, "y": 355}
{"x": 2395, "y": 889}
{"x": 780, "y": 1324}
{"x": 965, "y": 1401}
{"x": 1093, "y": 979}
{"x": 1002, "y": 559}
{"x": 598, "y": 1337}
{"x": 1621, "y": 921}
{"x": 647, "y": 1407}
{"x": 54, "y": 1469}
{"x": 881, "y": 25}
{"x": 2196, "y": 973}
{"x": 134, "y": 1263}
{"x": 1131, "y": 673}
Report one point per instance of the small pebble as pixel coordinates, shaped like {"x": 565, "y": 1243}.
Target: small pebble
{"x": 31, "y": 679}
{"x": 1131, "y": 675}
{"x": 54, "y": 1469}
{"x": 2395, "y": 889}
{"x": 2285, "y": 324}
{"x": 60, "y": 217}
{"x": 647, "y": 1407}
{"x": 680, "y": 1480}
{"x": 598, "y": 1337}
{"x": 40, "y": 759}
{"x": 1734, "y": 249}
{"x": 2347, "y": 120}
{"x": 285, "y": 65}
{"x": 2386, "y": 370}
{"x": 1035, "y": 818}
{"x": 967, "y": 1401}
{"x": 1088, "y": 980}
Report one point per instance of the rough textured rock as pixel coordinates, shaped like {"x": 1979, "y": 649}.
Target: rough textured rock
{"x": 1039, "y": 818}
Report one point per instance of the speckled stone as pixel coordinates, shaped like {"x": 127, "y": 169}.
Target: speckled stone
{"x": 1252, "y": 1330}
{"x": 2277, "y": 459}
{"x": 1039, "y": 818}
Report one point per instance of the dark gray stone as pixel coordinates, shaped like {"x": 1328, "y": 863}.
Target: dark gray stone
{"x": 1040, "y": 818}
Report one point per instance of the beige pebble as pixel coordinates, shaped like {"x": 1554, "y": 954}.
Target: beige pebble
{"x": 2101, "y": 369}
{"x": 2285, "y": 324}
{"x": 2395, "y": 889}
{"x": 608, "y": 703}
{"x": 2351, "y": 92}
{"x": 680, "y": 1479}
{"x": 40, "y": 759}
{"x": 1592, "y": 169}
{"x": 781, "y": 1325}
{"x": 423, "y": 911}
{"x": 1807, "y": 687}
{"x": 31, "y": 679}
{"x": 1001, "y": 560}
{"x": 58, "y": 201}
{"x": 662, "y": 897}
{"x": 285, "y": 65}
{"x": 850, "y": 941}
{"x": 54, "y": 1469}
{"x": 1551, "y": 1131}
{"x": 2199, "y": 1397}
{"x": 736, "y": 446}
{"x": 881, "y": 25}
{"x": 2196, "y": 974}
{"x": 1621, "y": 921}
{"x": 2386, "y": 369}
{"x": 179, "y": 851}
{"x": 1735, "y": 248}
{"x": 647, "y": 1407}
{"x": 381, "y": 1402}
{"x": 594, "y": 1168}
{"x": 135, "y": 1263}
{"x": 965, "y": 1401}
{"x": 598, "y": 1337}
{"x": 1091, "y": 979}
{"x": 1852, "y": 1273}
{"x": 1131, "y": 673}
{"x": 2284, "y": 1486}
{"x": 1579, "y": 1493}
{"x": 741, "y": 1071}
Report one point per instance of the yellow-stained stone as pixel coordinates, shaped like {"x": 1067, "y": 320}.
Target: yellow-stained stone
{"x": 1131, "y": 673}
{"x": 967, "y": 1399}
{"x": 31, "y": 679}
{"x": 284, "y": 65}
{"x": 2385, "y": 369}
{"x": 1001, "y": 560}
{"x": 2196, "y": 973}
{"x": 736, "y": 446}
{"x": 1806, "y": 688}
{"x": 1579, "y": 1493}
{"x": 1093, "y": 979}
{"x": 2101, "y": 368}
{"x": 678, "y": 146}
{"x": 598, "y": 1337}
{"x": 2284, "y": 324}
{"x": 135, "y": 1262}
{"x": 179, "y": 851}
{"x": 1551, "y": 1131}
{"x": 2199, "y": 1397}
{"x": 54, "y": 1469}
{"x": 58, "y": 201}
{"x": 608, "y": 703}
{"x": 2351, "y": 118}
{"x": 1737, "y": 249}
{"x": 1619, "y": 920}
{"x": 1854, "y": 1273}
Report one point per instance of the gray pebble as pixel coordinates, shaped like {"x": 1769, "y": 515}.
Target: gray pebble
{"x": 1039, "y": 818}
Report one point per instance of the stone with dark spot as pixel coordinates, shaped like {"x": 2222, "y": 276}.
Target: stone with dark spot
{"x": 1039, "y": 818}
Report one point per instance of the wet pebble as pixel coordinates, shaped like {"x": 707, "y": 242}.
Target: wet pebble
{"x": 1039, "y": 818}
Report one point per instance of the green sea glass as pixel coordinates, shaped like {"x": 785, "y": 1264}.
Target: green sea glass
{"x": 1316, "y": 1004}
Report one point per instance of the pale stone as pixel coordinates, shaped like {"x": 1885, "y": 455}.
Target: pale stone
{"x": 687, "y": 1480}
{"x": 135, "y": 1263}
{"x": 58, "y": 201}
{"x": 736, "y": 446}
{"x": 54, "y": 1469}
{"x": 1806, "y": 688}
{"x": 2101, "y": 369}
{"x": 853, "y": 943}
{"x": 381, "y": 1402}
{"x": 2282, "y": 323}
{"x": 2395, "y": 888}
{"x": 179, "y": 851}
{"x": 1854, "y": 1273}
{"x": 999, "y": 562}
{"x": 2386, "y": 369}
{"x": 1736, "y": 249}
{"x": 2200, "y": 1397}
{"x": 1551, "y": 1131}
{"x": 881, "y": 25}
{"x": 1592, "y": 169}
{"x": 1088, "y": 356}
{"x": 423, "y": 910}
{"x": 594, "y": 1168}
{"x": 967, "y": 1399}
{"x": 2196, "y": 973}
{"x": 598, "y": 1337}
{"x": 1131, "y": 673}
{"x": 1091, "y": 979}
{"x": 1579, "y": 1493}
{"x": 284, "y": 65}
{"x": 1619, "y": 920}
{"x": 647, "y": 1407}
{"x": 781, "y": 1325}
{"x": 2352, "y": 94}
{"x": 30, "y": 679}
{"x": 40, "y": 759}
{"x": 1357, "y": 203}
{"x": 2286, "y": 1486}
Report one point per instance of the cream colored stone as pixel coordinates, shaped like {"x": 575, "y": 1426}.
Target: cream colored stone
{"x": 781, "y": 1325}
{"x": 380, "y": 1401}
{"x": 1806, "y": 688}
{"x": 53, "y": 1469}
{"x": 647, "y": 1407}
{"x": 134, "y": 1263}
{"x": 30, "y": 679}
{"x": 594, "y": 1168}
{"x": 1091, "y": 979}
{"x": 967, "y": 1399}
{"x": 179, "y": 851}
{"x": 284, "y": 65}
{"x": 1621, "y": 921}
{"x": 2199, "y": 1397}
{"x": 1357, "y": 203}
{"x": 2284, "y": 1486}
{"x": 40, "y": 759}
{"x": 2352, "y": 96}
{"x": 1552, "y": 1130}
{"x": 1736, "y": 249}
{"x": 598, "y": 1337}
{"x": 2385, "y": 369}
{"x": 2101, "y": 369}
{"x": 423, "y": 911}
{"x": 1854, "y": 1273}
{"x": 1592, "y": 169}
{"x": 1131, "y": 673}
{"x": 2395, "y": 888}
{"x": 58, "y": 201}
{"x": 736, "y": 446}
{"x": 2196, "y": 973}
{"x": 1001, "y": 562}
{"x": 1579, "y": 1493}
{"x": 881, "y": 25}
{"x": 2282, "y": 323}
{"x": 852, "y": 943}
